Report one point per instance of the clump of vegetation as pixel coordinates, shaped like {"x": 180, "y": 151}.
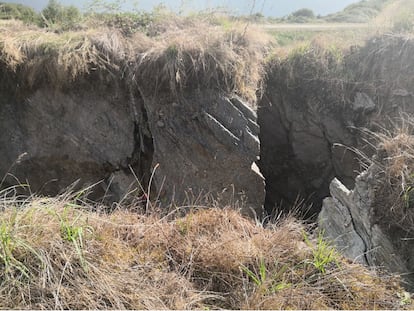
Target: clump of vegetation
{"x": 391, "y": 175}
{"x": 177, "y": 58}
{"x": 59, "y": 17}
{"x": 368, "y": 63}
{"x": 54, "y": 16}
{"x": 191, "y": 58}
{"x": 55, "y": 253}
{"x": 312, "y": 70}
{"x": 360, "y": 12}
{"x": 18, "y": 12}
{"x": 395, "y": 158}
{"x": 301, "y": 16}
{"x": 308, "y": 13}
{"x": 110, "y": 14}
{"x": 127, "y": 23}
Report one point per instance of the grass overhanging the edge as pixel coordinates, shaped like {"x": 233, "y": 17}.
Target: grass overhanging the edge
{"x": 176, "y": 57}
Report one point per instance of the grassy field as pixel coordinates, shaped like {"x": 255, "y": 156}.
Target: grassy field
{"x": 390, "y": 17}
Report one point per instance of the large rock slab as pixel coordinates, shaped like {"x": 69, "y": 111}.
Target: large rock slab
{"x": 206, "y": 144}
{"x": 348, "y": 220}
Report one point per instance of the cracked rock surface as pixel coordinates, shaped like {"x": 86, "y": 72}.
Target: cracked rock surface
{"x": 202, "y": 142}
{"x": 207, "y": 144}
{"x": 347, "y": 219}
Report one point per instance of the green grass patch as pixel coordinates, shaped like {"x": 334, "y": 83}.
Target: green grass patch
{"x": 290, "y": 37}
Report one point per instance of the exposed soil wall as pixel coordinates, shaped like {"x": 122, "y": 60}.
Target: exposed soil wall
{"x": 205, "y": 143}
{"x": 85, "y": 132}
{"x": 133, "y": 116}
{"x": 316, "y": 103}
{"x": 199, "y": 143}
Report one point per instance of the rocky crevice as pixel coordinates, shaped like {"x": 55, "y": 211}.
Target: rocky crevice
{"x": 312, "y": 115}
{"x": 128, "y": 182}
{"x": 302, "y": 147}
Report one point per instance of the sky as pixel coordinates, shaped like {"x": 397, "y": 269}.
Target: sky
{"x": 275, "y": 8}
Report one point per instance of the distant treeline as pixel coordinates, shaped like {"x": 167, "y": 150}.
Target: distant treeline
{"x": 53, "y": 14}
{"x": 59, "y": 17}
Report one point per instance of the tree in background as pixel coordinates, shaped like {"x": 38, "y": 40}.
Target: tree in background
{"x": 60, "y": 17}
{"x": 301, "y": 16}
{"x": 18, "y": 11}
{"x": 307, "y": 13}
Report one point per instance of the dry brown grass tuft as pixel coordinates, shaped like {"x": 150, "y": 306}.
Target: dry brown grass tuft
{"x": 395, "y": 158}
{"x": 383, "y": 65}
{"x": 186, "y": 56}
{"x": 39, "y": 56}
{"x": 230, "y": 61}
{"x": 400, "y": 154}
{"x": 57, "y": 254}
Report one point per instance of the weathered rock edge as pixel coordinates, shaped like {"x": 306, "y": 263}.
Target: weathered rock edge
{"x": 348, "y": 220}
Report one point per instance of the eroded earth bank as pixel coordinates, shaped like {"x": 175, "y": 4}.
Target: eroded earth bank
{"x": 180, "y": 120}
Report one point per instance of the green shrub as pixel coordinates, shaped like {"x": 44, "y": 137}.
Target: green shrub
{"x": 18, "y": 11}
{"x": 301, "y": 16}
{"x": 109, "y": 13}
{"x": 60, "y": 17}
{"x": 360, "y": 12}
{"x": 308, "y": 13}
{"x": 128, "y": 23}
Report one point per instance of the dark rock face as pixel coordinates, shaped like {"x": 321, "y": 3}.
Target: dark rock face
{"x": 365, "y": 223}
{"x": 90, "y": 133}
{"x": 205, "y": 142}
{"x": 66, "y": 136}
